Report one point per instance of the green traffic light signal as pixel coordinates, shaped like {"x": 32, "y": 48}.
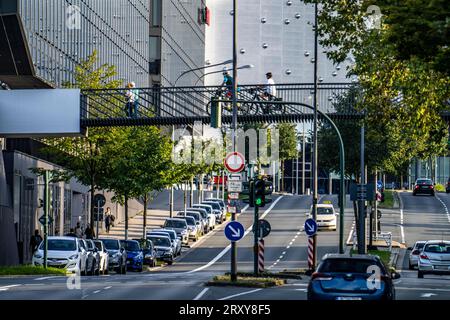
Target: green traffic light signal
{"x": 260, "y": 188}
{"x": 258, "y": 201}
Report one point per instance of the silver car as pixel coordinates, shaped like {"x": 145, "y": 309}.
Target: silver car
{"x": 180, "y": 227}
{"x": 414, "y": 254}
{"x": 174, "y": 240}
{"x": 435, "y": 258}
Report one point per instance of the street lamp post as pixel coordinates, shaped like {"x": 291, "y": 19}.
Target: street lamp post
{"x": 315, "y": 158}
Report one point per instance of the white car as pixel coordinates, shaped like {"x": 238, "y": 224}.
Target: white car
{"x": 63, "y": 252}
{"x": 104, "y": 257}
{"x": 210, "y": 212}
{"x": 326, "y": 216}
{"x": 434, "y": 258}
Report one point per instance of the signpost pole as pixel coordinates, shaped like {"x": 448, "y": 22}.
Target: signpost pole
{"x": 46, "y": 212}
{"x": 255, "y": 240}
{"x": 98, "y": 216}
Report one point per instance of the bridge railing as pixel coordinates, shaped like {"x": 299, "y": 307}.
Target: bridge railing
{"x": 193, "y": 101}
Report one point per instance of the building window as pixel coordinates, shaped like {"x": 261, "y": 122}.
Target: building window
{"x": 156, "y": 13}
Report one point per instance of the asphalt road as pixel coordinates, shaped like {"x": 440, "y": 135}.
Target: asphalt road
{"x": 420, "y": 218}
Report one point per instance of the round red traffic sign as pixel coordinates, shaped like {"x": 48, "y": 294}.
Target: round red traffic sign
{"x": 235, "y": 162}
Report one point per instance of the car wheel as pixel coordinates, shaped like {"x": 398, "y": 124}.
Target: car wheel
{"x": 97, "y": 273}
{"x": 106, "y": 271}
{"x": 414, "y": 194}
{"x": 419, "y": 274}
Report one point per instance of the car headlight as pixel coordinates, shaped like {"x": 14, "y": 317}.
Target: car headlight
{"x": 73, "y": 257}
{"x": 38, "y": 255}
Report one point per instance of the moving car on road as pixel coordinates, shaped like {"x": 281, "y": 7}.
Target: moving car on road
{"x": 163, "y": 247}
{"x": 117, "y": 255}
{"x": 63, "y": 252}
{"x": 423, "y": 186}
{"x": 434, "y": 258}
{"x": 180, "y": 227}
{"x": 414, "y": 254}
{"x": 104, "y": 257}
{"x": 345, "y": 277}
{"x": 326, "y": 216}
{"x": 135, "y": 256}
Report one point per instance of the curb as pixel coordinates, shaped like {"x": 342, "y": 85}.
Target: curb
{"x": 394, "y": 257}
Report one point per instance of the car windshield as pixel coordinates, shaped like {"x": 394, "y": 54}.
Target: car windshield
{"x": 161, "y": 242}
{"x": 132, "y": 246}
{"x": 175, "y": 224}
{"x": 60, "y": 245}
{"x": 424, "y": 181}
{"x": 98, "y": 244}
{"x": 207, "y": 208}
{"x": 90, "y": 245}
{"x": 111, "y": 244}
{"x": 321, "y": 210}
{"x": 215, "y": 205}
{"x": 193, "y": 215}
{"x": 420, "y": 245}
{"x": 438, "y": 247}
{"x": 346, "y": 265}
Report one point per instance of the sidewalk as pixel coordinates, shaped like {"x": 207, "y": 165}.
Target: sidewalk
{"x": 155, "y": 218}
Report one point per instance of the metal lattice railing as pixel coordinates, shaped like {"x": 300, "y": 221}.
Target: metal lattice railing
{"x": 180, "y": 104}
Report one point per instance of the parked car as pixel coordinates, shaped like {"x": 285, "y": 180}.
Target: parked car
{"x": 193, "y": 230}
{"x": 197, "y": 217}
{"x": 423, "y": 186}
{"x": 176, "y": 242}
{"x": 117, "y": 255}
{"x": 326, "y": 216}
{"x": 180, "y": 227}
{"x": 104, "y": 257}
{"x": 414, "y": 254}
{"x": 149, "y": 252}
{"x": 163, "y": 247}
{"x": 434, "y": 258}
{"x": 222, "y": 204}
{"x": 204, "y": 215}
{"x": 63, "y": 252}
{"x": 210, "y": 212}
{"x": 135, "y": 255}
{"x": 95, "y": 261}
{"x": 345, "y": 277}
{"x": 218, "y": 211}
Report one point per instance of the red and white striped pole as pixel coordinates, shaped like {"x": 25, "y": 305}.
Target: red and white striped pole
{"x": 310, "y": 253}
{"x": 261, "y": 255}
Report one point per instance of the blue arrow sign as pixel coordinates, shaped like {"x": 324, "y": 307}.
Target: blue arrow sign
{"x": 379, "y": 184}
{"x": 310, "y": 227}
{"x": 234, "y": 231}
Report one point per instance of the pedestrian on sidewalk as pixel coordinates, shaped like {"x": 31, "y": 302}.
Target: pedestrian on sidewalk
{"x": 89, "y": 232}
{"x": 35, "y": 241}
{"x": 107, "y": 222}
{"x": 111, "y": 217}
{"x": 78, "y": 231}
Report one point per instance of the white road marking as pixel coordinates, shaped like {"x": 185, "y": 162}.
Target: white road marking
{"x": 445, "y": 208}
{"x": 422, "y": 289}
{"x": 351, "y": 232}
{"x": 45, "y": 278}
{"x": 288, "y": 247}
{"x": 201, "y": 294}
{"x": 227, "y": 248}
{"x": 303, "y": 290}
{"x": 283, "y": 253}
{"x": 427, "y": 295}
{"x": 106, "y": 288}
{"x": 6, "y": 288}
{"x": 96, "y": 291}
{"x": 240, "y": 294}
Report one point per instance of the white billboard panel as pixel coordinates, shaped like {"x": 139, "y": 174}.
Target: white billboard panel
{"x": 39, "y": 113}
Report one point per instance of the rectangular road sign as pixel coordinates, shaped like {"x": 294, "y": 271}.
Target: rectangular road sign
{"x": 233, "y": 195}
{"x": 232, "y": 209}
{"x": 235, "y": 176}
{"x": 234, "y": 186}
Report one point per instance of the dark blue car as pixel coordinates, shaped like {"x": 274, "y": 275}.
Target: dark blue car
{"x": 135, "y": 256}
{"x": 356, "y": 277}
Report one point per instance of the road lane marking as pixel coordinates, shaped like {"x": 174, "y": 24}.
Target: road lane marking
{"x": 6, "y": 288}
{"x": 240, "y": 294}
{"x": 45, "y": 278}
{"x": 427, "y": 295}
{"x": 303, "y": 290}
{"x": 96, "y": 291}
{"x": 402, "y": 230}
{"x": 106, "y": 288}
{"x": 227, "y": 248}
{"x": 422, "y": 289}
{"x": 350, "y": 234}
{"x": 201, "y": 294}
{"x": 445, "y": 208}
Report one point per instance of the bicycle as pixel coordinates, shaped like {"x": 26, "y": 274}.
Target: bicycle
{"x": 258, "y": 94}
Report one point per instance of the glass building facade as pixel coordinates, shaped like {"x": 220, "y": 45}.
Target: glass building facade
{"x": 62, "y": 33}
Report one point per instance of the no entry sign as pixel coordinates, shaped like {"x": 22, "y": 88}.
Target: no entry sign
{"x": 235, "y": 162}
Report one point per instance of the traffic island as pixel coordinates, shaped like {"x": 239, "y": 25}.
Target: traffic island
{"x": 29, "y": 270}
{"x": 246, "y": 281}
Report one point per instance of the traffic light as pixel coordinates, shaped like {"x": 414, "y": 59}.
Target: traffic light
{"x": 216, "y": 113}
{"x": 259, "y": 199}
